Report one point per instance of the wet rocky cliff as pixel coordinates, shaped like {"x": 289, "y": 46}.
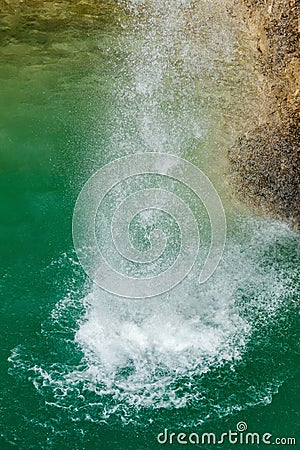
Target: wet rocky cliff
{"x": 265, "y": 162}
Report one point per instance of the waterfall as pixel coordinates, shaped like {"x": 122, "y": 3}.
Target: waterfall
{"x": 180, "y": 84}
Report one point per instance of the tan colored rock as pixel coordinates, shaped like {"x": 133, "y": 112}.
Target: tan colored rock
{"x": 265, "y": 163}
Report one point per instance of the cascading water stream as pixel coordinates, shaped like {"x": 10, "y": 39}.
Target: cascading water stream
{"x": 178, "y": 88}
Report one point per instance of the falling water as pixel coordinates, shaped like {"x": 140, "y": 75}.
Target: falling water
{"x": 181, "y": 83}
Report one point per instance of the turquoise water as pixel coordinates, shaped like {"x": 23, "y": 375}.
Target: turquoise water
{"x": 81, "y": 368}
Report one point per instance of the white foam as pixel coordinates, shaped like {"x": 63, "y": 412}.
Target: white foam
{"x": 153, "y": 354}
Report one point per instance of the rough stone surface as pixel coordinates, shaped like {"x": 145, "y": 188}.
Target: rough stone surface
{"x": 265, "y": 163}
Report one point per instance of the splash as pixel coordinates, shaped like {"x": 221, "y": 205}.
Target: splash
{"x": 178, "y": 90}
{"x": 180, "y": 351}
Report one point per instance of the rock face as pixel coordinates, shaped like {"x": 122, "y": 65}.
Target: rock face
{"x": 265, "y": 163}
